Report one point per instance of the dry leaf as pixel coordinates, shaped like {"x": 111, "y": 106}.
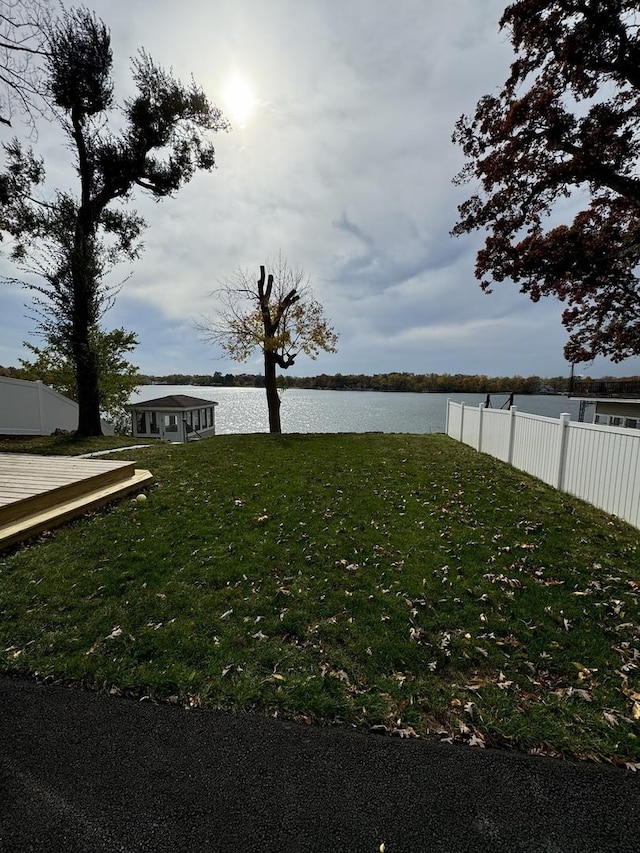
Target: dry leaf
{"x": 116, "y": 632}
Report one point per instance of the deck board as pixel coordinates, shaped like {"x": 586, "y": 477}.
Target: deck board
{"x": 38, "y": 492}
{"x": 20, "y": 472}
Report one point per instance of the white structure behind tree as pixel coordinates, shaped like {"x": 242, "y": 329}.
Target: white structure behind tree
{"x": 178, "y": 418}
{"x": 32, "y": 408}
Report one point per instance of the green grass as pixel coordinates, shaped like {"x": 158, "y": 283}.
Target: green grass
{"x": 394, "y": 582}
{"x": 65, "y": 445}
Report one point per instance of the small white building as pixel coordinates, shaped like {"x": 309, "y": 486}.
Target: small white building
{"x": 32, "y": 408}
{"x": 178, "y": 417}
{"x": 616, "y": 402}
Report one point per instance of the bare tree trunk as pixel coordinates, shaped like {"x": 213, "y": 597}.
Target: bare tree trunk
{"x": 265, "y": 285}
{"x": 84, "y": 318}
{"x": 88, "y": 398}
{"x": 273, "y": 398}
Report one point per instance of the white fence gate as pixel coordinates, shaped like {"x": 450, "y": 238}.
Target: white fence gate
{"x": 599, "y": 464}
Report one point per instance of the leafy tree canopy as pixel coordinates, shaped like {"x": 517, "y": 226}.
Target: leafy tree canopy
{"x": 53, "y": 365}
{"x": 563, "y": 134}
{"x": 70, "y": 239}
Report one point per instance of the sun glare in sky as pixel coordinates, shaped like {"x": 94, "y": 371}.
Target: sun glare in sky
{"x": 239, "y": 100}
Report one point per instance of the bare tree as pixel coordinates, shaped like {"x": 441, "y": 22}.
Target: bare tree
{"x": 23, "y": 25}
{"x": 276, "y": 314}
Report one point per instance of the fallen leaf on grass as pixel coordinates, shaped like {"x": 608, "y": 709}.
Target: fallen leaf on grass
{"x": 630, "y": 694}
{"x": 610, "y": 718}
{"x": 116, "y": 632}
{"x": 566, "y": 692}
{"x": 502, "y": 682}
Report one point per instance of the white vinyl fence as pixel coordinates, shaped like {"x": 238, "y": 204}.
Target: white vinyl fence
{"x": 32, "y": 408}
{"x": 599, "y": 464}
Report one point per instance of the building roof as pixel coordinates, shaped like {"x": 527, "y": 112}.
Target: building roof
{"x": 603, "y": 389}
{"x": 173, "y": 401}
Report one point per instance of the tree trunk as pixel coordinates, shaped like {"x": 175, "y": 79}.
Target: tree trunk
{"x": 83, "y": 322}
{"x": 273, "y": 398}
{"x": 88, "y": 397}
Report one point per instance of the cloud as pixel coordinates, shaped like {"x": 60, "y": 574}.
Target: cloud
{"x": 346, "y": 167}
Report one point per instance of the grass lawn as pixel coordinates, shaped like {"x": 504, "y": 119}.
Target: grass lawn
{"x": 398, "y": 583}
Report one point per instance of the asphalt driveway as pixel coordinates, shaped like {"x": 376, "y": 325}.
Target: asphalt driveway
{"x": 93, "y": 773}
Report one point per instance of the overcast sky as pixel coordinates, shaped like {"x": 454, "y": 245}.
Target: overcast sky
{"x": 344, "y": 165}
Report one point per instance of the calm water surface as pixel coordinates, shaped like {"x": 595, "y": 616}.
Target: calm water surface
{"x": 245, "y": 409}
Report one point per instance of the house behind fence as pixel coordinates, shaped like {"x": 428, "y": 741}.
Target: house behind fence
{"x": 599, "y": 464}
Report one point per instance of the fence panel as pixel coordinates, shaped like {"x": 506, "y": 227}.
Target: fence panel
{"x": 20, "y": 407}
{"x": 599, "y": 464}
{"x": 454, "y": 420}
{"x": 471, "y": 426}
{"x": 496, "y": 433}
{"x": 535, "y": 447}
{"x": 602, "y": 466}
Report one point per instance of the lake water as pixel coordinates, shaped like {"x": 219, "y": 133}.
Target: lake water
{"x": 244, "y": 410}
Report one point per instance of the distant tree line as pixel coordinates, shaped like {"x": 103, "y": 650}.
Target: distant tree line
{"x": 431, "y": 383}
{"x": 423, "y": 383}
{"x": 417, "y": 382}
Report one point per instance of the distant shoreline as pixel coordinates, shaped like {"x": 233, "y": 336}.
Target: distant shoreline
{"x": 421, "y": 383}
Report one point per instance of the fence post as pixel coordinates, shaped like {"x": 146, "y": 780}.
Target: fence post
{"x": 446, "y": 423}
{"x": 41, "y": 405}
{"x": 563, "y": 424}
{"x": 513, "y": 414}
{"x": 480, "y": 422}
{"x": 461, "y": 420}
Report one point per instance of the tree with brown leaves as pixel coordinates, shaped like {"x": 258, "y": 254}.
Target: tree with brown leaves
{"x": 563, "y": 134}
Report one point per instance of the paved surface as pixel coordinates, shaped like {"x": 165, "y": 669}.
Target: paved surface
{"x": 91, "y": 773}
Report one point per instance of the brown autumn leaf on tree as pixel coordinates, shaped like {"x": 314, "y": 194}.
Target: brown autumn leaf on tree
{"x": 563, "y": 131}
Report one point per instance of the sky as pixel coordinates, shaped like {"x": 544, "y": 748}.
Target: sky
{"x": 339, "y": 158}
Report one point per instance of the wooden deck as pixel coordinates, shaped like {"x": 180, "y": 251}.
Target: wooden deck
{"x": 41, "y": 492}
